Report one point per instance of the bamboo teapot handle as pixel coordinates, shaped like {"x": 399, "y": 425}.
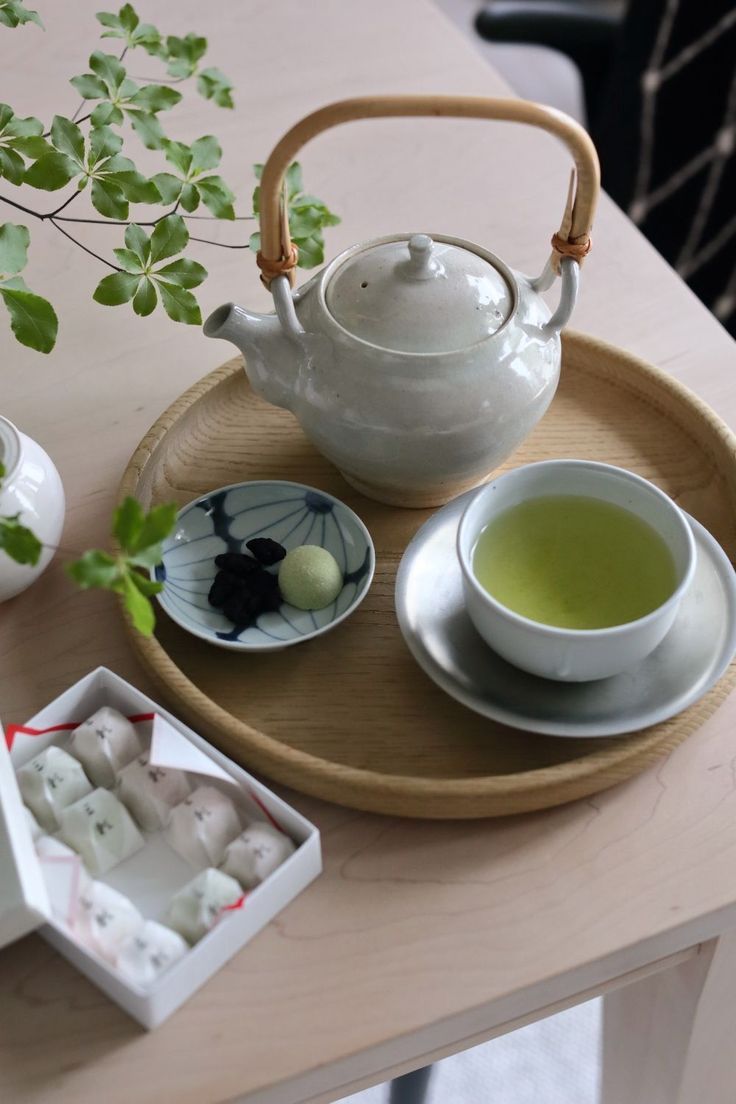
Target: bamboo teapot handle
{"x": 278, "y": 254}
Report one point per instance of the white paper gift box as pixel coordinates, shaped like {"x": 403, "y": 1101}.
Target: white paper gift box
{"x": 154, "y": 874}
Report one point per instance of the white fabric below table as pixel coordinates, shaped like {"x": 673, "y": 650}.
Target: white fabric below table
{"x": 556, "y": 1060}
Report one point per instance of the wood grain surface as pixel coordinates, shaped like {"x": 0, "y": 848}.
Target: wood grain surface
{"x": 352, "y": 718}
{"x": 420, "y": 936}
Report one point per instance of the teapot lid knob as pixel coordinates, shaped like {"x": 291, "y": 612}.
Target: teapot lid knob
{"x": 421, "y": 265}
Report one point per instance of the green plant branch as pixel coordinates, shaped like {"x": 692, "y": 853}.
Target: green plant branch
{"x": 161, "y": 80}
{"x": 73, "y": 196}
{"x": 75, "y": 116}
{"x": 52, "y": 217}
{"x": 153, "y": 222}
{"x": 216, "y": 218}
{"x": 20, "y": 207}
{"x": 222, "y": 245}
{"x": 91, "y": 252}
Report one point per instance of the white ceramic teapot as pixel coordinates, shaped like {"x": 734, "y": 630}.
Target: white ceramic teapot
{"x": 415, "y": 363}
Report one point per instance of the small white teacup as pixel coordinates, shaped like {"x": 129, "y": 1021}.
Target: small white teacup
{"x": 573, "y": 655}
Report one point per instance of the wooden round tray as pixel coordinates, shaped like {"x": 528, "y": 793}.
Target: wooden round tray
{"x": 350, "y": 717}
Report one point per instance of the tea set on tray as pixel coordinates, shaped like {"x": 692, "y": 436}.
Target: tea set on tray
{"x": 565, "y": 597}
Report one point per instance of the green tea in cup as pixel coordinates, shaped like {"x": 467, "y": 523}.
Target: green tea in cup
{"x": 574, "y": 562}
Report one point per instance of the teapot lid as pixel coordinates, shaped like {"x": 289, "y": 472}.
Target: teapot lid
{"x": 416, "y": 294}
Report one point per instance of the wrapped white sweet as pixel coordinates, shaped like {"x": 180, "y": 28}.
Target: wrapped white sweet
{"x": 104, "y": 743}
{"x": 202, "y": 826}
{"x": 49, "y": 782}
{"x": 105, "y": 920}
{"x": 101, "y": 829}
{"x": 145, "y": 954}
{"x": 65, "y": 877}
{"x": 33, "y": 826}
{"x": 199, "y": 905}
{"x": 256, "y": 853}
{"x": 151, "y": 792}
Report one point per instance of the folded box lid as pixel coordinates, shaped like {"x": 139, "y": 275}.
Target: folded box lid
{"x": 24, "y": 902}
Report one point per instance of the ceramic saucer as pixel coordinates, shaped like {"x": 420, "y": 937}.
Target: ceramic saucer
{"x": 442, "y": 639}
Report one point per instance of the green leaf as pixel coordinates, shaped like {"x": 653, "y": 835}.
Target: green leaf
{"x": 117, "y": 163}
{"x": 293, "y": 179}
{"x": 51, "y": 172}
{"x": 18, "y": 542}
{"x": 130, "y": 261}
{"x": 214, "y": 85}
{"x": 109, "y": 200}
{"x": 32, "y": 319}
{"x": 148, "y": 129}
{"x": 119, "y": 287}
{"x": 17, "y": 127}
{"x": 138, "y": 606}
{"x": 94, "y": 569}
{"x": 145, "y": 299}
{"x": 254, "y": 242}
{"x": 134, "y": 186}
{"x": 12, "y": 166}
{"x": 146, "y": 586}
{"x": 170, "y": 236}
{"x": 103, "y": 142}
{"x": 206, "y": 153}
{"x": 138, "y": 242}
{"x": 14, "y": 241}
{"x": 183, "y": 272}
{"x": 106, "y": 113}
{"x": 183, "y": 54}
{"x": 19, "y": 137}
{"x": 157, "y": 524}
{"x": 32, "y": 146}
{"x": 179, "y": 155}
{"x": 147, "y": 36}
{"x": 67, "y": 138}
{"x": 128, "y": 18}
{"x": 16, "y": 283}
{"x": 216, "y": 196}
{"x": 300, "y": 202}
{"x": 123, "y": 25}
{"x": 148, "y": 557}
{"x": 89, "y": 86}
{"x": 108, "y": 69}
{"x": 305, "y": 222}
{"x": 189, "y": 198}
{"x": 179, "y": 304}
{"x": 155, "y": 97}
{"x": 14, "y": 12}
{"x": 2, "y": 469}
{"x": 311, "y": 252}
{"x": 128, "y": 523}
{"x": 169, "y": 187}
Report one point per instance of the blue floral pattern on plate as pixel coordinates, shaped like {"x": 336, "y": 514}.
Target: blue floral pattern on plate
{"x": 223, "y": 521}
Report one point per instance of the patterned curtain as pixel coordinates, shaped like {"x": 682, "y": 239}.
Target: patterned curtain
{"x": 667, "y": 139}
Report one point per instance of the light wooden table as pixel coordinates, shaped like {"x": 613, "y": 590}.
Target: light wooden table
{"x": 420, "y": 939}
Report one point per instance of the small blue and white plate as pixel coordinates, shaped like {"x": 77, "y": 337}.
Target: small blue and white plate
{"x": 223, "y": 521}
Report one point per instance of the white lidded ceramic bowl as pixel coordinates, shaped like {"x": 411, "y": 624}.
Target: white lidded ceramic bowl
{"x": 573, "y": 655}
{"x": 223, "y": 521}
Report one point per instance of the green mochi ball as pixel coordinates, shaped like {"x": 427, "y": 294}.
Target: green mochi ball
{"x": 309, "y": 577}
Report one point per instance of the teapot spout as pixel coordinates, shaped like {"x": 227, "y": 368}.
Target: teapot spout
{"x": 271, "y": 359}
